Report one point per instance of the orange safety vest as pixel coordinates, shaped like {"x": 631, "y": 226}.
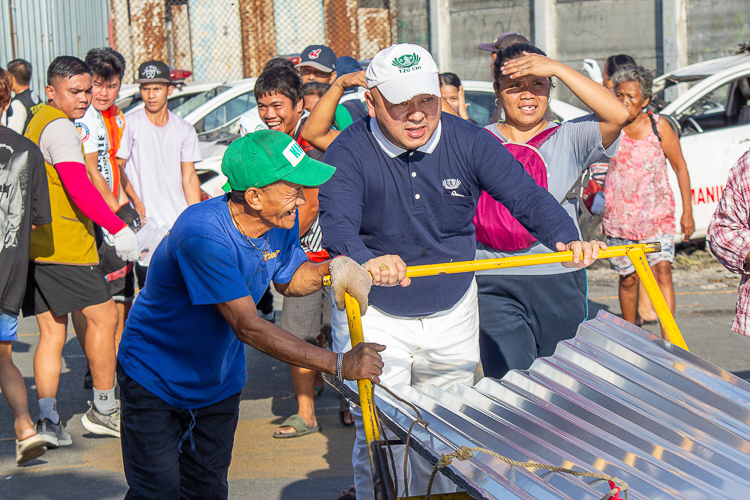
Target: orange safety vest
{"x": 69, "y": 239}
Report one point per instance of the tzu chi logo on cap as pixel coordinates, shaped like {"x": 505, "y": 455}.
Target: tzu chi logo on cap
{"x": 406, "y": 63}
{"x": 151, "y": 71}
{"x": 314, "y": 54}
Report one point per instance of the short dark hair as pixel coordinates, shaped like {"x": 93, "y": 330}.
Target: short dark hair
{"x": 5, "y": 87}
{"x": 66, "y": 67}
{"x": 511, "y": 52}
{"x": 282, "y": 80}
{"x": 315, "y": 88}
{"x": 613, "y": 63}
{"x": 21, "y": 71}
{"x": 106, "y": 63}
{"x": 450, "y": 79}
{"x": 279, "y": 62}
{"x": 237, "y": 196}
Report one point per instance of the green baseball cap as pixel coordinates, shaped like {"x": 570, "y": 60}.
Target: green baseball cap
{"x": 266, "y": 156}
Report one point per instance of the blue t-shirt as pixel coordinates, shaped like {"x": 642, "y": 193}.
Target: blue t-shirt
{"x": 420, "y": 205}
{"x": 176, "y": 344}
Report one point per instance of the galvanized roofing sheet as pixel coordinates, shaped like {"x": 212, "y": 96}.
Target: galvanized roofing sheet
{"x": 614, "y": 399}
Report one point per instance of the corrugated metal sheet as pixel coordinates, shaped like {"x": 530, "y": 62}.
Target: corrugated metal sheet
{"x": 45, "y": 29}
{"x": 614, "y": 399}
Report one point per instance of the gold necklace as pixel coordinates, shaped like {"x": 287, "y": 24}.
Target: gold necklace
{"x": 266, "y": 253}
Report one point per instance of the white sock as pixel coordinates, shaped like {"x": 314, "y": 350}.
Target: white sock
{"x": 105, "y": 401}
{"x": 48, "y": 409}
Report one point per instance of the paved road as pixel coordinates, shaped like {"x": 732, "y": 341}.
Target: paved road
{"x": 314, "y": 467}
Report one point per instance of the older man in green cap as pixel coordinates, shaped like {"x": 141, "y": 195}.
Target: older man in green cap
{"x": 181, "y": 364}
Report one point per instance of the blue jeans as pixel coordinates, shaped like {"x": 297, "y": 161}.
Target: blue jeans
{"x": 173, "y": 453}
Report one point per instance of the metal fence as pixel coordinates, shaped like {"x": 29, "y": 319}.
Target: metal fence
{"x": 232, "y": 39}
{"x": 40, "y": 30}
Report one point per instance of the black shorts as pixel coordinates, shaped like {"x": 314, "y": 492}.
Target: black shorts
{"x": 118, "y": 273}
{"x": 62, "y": 288}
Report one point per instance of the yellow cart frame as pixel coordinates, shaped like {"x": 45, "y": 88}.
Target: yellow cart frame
{"x": 636, "y": 253}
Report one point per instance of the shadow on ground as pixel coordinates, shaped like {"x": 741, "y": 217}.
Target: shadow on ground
{"x": 60, "y": 486}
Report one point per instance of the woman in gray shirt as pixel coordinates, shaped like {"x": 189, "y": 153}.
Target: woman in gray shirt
{"x": 525, "y": 311}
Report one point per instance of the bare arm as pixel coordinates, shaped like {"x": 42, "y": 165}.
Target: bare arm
{"x": 446, "y": 107}
{"x": 317, "y": 130}
{"x": 96, "y": 178}
{"x": 611, "y": 112}
{"x": 190, "y": 183}
{"x": 128, "y": 188}
{"x": 362, "y": 362}
{"x": 671, "y": 144}
{"x": 307, "y": 279}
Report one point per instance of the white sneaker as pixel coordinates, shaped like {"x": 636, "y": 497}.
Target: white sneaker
{"x": 53, "y": 434}
{"x": 98, "y": 423}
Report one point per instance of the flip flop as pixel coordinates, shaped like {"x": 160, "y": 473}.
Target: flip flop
{"x": 318, "y": 391}
{"x": 299, "y": 426}
{"x": 343, "y": 408}
{"x": 30, "y": 448}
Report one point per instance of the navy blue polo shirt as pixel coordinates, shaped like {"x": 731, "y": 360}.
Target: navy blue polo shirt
{"x": 419, "y": 205}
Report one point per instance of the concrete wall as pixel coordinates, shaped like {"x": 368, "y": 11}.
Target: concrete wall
{"x": 479, "y": 21}
{"x": 660, "y": 34}
{"x": 716, "y": 27}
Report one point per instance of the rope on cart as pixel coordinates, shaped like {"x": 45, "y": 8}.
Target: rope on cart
{"x": 464, "y": 453}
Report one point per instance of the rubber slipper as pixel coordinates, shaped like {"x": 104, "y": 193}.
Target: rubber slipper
{"x": 318, "y": 391}
{"x": 343, "y": 408}
{"x": 30, "y": 448}
{"x": 300, "y": 428}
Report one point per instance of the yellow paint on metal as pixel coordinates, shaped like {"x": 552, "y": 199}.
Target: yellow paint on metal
{"x": 638, "y": 258}
{"x": 364, "y": 386}
{"x": 520, "y": 261}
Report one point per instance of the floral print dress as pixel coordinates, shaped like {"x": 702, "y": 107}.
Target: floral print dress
{"x": 638, "y": 200}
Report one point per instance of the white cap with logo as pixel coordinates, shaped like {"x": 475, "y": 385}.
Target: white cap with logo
{"x": 403, "y": 71}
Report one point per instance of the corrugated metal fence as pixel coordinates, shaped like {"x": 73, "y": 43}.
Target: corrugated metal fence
{"x": 40, "y": 30}
{"x": 232, "y": 39}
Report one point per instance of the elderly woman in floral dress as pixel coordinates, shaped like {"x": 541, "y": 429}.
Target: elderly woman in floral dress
{"x": 639, "y": 206}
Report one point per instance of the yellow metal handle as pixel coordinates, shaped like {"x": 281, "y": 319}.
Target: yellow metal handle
{"x": 520, "y": 261}
{"x": 638, "y": 258}
{"x": 364, "y": 386}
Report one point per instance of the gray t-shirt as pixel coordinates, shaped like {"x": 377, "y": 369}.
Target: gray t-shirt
{"x": 568, "y": 152}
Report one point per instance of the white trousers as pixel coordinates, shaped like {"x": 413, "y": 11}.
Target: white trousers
{"x": 441, "y": 350}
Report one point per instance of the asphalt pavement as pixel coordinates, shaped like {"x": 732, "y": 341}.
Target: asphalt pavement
{"x": 317, "y": 466}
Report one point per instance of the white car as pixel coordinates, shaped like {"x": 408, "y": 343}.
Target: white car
{"x": 129, "y": 99}
{"x": 713, "y": 117}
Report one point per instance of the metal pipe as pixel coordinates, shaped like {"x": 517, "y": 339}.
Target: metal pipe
{"x": 638, "y": 258}
{"x": 520, "y": 261}
{"x": 365, "y": 386}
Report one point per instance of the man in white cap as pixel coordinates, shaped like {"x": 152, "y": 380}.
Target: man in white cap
{"x": 404, "y": 192}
